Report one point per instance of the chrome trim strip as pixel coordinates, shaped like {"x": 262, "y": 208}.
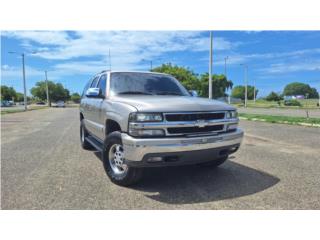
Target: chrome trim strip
{"x": 166, "y": 124}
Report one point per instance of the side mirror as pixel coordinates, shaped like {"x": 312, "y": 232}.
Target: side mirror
{"x": 193, "y": 93}
{"x": 93, "y": 93}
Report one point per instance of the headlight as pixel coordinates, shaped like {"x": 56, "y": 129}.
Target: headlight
{"x": 232, "y": 114}
{"x": 145, "y": 117}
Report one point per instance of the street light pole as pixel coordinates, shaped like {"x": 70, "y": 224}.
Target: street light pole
{"x": 254, "y": 91}
{"x": 47, "y": 90}
{"x": 246, "y": 83}
{"x": 210, "y": 68}
{"x": 151, "y": 66}
{"x": 225, "y": 74}
{"x": 24, "y": 79}
{"x": 225, "y": 66}
{"x": 24, "y": 84}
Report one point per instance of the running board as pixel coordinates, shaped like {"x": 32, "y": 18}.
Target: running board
{"x": 95, "y": 143}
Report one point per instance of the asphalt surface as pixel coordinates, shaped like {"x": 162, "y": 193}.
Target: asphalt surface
{"x": 44, "y": 167}
{"x": 314, "y": 113}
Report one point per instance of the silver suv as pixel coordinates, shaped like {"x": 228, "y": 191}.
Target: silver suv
{"x": 143, "y": 119}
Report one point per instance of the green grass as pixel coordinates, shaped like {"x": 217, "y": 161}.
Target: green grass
{"x": 313, "y": 122}
{"x": 7, "y": 111}
{"x": 261, "y": 103}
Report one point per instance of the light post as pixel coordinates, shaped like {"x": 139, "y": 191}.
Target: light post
{"x": 246, "y": 83}
{"x": 47, "y": 90}
{"x": 210, "y": 67}
{"x": 254, "y": 91}
{"x": 225, "y": 74}
{"x": 24, "y": 79}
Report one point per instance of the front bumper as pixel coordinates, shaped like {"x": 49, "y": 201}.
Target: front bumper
{"x": 138, "y": 150}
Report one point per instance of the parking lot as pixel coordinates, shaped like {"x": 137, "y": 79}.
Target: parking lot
{"x": 44, "y": 167}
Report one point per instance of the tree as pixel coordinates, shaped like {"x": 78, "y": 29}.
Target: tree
{"x": 297, "y": 88}
{"x": 184, "y": 75}
{"x": 219, "y": 85}
{"x": 75, "y": 97}
{"x": 8, "y": 93}
{"x": 56, "y": 91}
{"x": 19, "y": 97}
{"x": 192, "y": 81}
{"x": 273, "y": 97}
{"x": 239, "y": 92}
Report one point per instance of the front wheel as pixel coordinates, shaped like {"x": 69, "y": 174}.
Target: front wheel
{"x": 113, "y": 162}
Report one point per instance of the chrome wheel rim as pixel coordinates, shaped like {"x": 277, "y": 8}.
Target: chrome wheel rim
{"x": 116, "y": 159}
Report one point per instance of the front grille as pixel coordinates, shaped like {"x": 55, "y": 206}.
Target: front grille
{"x": 188, "y": 130}
{"x": 194, "y": 116}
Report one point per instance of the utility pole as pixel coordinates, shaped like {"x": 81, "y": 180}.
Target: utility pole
{"x": 210, "y": 68}
{"x": 225, "y": 74}
{"x": 24, "y": 84}
{"x": 47, "y": 90}
{"x": 24, "y": 80}
{"x": 254, "y": 91}
{"x": 151, "y": 66}
{"x": 246, "y": 83}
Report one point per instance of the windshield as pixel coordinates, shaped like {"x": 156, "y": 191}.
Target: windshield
{"x": 145, "y": 84}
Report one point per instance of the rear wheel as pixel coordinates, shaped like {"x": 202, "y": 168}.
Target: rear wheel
{"x": 114, "y": 162}
{"x": 215, "y": 163}
{"x": 83, "y": 134}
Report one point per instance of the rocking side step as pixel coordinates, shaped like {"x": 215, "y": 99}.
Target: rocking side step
{"x": 95, "y": 143}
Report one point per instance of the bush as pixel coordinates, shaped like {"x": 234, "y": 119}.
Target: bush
{"x": 273, "y": 97}
{"x": 292, "y": 102}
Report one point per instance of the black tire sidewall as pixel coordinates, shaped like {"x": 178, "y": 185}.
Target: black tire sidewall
{"x": 132, "y": 174}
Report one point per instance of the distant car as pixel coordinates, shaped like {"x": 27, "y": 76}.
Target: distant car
{"x": 41, "y": 103}
{"x": 61, "y": 104}
{"x": 5, "y": 104}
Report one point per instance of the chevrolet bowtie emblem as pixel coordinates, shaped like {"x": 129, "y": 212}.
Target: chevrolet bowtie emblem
{"x": 201, "y": 123}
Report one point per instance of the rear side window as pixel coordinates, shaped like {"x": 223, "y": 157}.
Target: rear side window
{"x": 102, "y": 84}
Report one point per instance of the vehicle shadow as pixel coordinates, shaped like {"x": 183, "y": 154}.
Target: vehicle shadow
{"x": 196, "y": 184}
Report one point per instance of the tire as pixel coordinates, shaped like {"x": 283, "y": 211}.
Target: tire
{"x": 120, "y": 174}
{"x": 83, "y": 134}
{"x": 215, "y": 163}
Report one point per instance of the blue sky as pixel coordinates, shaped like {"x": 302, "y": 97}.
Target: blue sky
{"x": 274, "y": 58}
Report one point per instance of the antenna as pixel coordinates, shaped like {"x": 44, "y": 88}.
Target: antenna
{"x": 109, "y": 59}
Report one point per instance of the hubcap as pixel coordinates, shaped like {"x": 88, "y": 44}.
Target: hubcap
{"x": 116, "y": 159}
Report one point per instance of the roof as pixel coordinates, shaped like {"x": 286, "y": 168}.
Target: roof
{"x": 129, "y": 71}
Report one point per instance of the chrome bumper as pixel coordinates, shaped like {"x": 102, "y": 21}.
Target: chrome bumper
{"x": 136, "y": 148}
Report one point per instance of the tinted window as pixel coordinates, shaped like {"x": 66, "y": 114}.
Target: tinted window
{"x": 145, "y": 83}
{"x": 102, "y": 84}
{"x": 94, "y": 82}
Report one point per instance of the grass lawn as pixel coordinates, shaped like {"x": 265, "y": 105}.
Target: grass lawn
{"x": 313, "y": 122}
{"x": 6, "y": 111}
{"x": 261, "y": 103}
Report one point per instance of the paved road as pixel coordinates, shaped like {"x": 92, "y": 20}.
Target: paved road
{"x": 315, "y": 113}
{"x": 43, "y": 167}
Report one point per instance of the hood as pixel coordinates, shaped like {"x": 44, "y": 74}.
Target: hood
{"x": 145, "y": 103}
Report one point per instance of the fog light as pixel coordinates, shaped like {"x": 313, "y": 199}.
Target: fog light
{"x": 232, "y": 126}
{"x": 154, "y": 159}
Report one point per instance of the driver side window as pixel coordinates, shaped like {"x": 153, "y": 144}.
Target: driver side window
{"x": 102, "y": 85}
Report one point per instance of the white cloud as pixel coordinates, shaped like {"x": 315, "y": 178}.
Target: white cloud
{"x": 128, "y": 48}
{"x": 292, "y": 67}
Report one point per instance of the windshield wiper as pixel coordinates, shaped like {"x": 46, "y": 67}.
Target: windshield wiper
{"x": 169, "y": 93}
{"x": 135, "y": 92}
